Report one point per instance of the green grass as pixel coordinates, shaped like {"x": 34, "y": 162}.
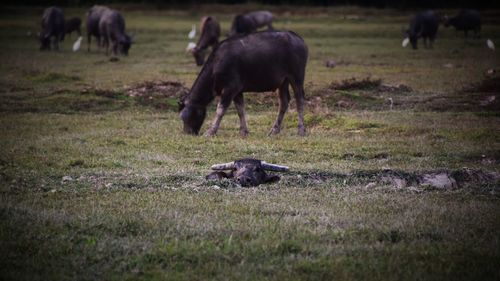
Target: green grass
{"x": 96, "y": 184}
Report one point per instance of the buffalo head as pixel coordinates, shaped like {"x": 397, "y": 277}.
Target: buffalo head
{"x": 192, "y": 117}
{"x": 247, "y": 172}
{"x": 124, "y": 44}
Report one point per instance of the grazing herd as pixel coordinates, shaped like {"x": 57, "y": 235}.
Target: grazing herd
{"x": 425, "y": 25}
{"x": 247, "y": 61}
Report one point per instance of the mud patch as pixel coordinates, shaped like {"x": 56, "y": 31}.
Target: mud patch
{"x": 488, "y": 85}
{"x": 356, "y": 84}
{"x": 159, "y": 94}
{"x": 429, "y": 180}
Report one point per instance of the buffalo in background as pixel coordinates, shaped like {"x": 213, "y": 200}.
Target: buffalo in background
{"x": 423, "y": 25}
{"x": 112, "y": 31}
{"x": 52, "y": 28}
{"x": 210, "y": 33}
{"x": 73, "y": 24}
{"x": 250, "y": 22}
{"x": 465, "y": 20}
{"x": 92, "y": 24}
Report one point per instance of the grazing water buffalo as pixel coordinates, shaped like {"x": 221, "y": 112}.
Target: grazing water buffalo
{"x": 112, "y": 29}
{"x": 247, "y": 172}
{"x": 92, "y": 24}
{"x": 210, "y": 32}
{"x": 259, "y": 62}
{"x": 52, "y": 28}
{"x": 423, "y": 25}
{"x": 250, "y": 22}
{"x": 73, "y": 24}
{"x": 465, "y": 20}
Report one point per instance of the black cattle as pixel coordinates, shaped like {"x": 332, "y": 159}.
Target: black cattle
{"x": 52, "y": 28}
{"x": 73, "y": 24}
{"x": 465, "y": 20}
{"x": 250, "y": 22}
{"x": 259, "y": 62}
{"x": 92, "y": 24}
{"x": 247, "y": 172}
{"x": 210, "y": 32}
{"x": 112, "y": 31}
{"x": 423, "y": 25}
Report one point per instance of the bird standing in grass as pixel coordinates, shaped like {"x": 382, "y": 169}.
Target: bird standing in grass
{"x": 490, "y": 44}
{"x": 192, "y": 33}
{"x": 76, "y": 45}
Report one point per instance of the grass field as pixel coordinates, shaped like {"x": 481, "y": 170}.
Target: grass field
{"x": 98, "y": 184}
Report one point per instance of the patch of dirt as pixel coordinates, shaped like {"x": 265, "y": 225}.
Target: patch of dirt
{"x": 488, "y": 85}
{"x": 159, "y": 94}
{"x": 356, "y": 84}
{"x": 172, "y": 89}
{"x": 438, "y": 179}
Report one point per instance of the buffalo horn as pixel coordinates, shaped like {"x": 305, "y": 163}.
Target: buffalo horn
{"x": 225, "y": 166}
{"x": 274, "y": 167}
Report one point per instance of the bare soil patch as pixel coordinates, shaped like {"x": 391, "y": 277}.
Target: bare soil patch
{"x": 417, "y": 181}
{"x": 158, "y": 94}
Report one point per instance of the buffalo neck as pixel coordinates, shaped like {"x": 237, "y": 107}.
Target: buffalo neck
{"x": 201, "y": 93}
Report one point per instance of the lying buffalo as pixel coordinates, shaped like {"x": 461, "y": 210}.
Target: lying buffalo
{"x": 92, "y": 24}
{"x": 52, "y": 28}
{"x": 259, "y": 62}
{"x": 247, "y": 172}
{"x": 465, "y": 20}
{"x": 210, "y": 32}
{"x": 423, "y": 25}
{"x": 73, "y": 24}
{"x": 250, "y": 22}
{"x": 112, "y": 30}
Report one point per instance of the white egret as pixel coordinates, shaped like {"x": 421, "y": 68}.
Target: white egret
{"x": 76, "y": 45}
{"x": 490, "y": 44}
{"x": 192, "y": 33}
{"x": 405, "y": 42}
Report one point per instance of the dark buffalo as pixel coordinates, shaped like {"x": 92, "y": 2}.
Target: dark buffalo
{"x": 247, "y": 172}
{"x": 73, "y": 24}
{"x": 210, "y": 32}
{"x": 424, "y": 25}
{"x": 92, "y": 24}
{"x": 52, "y": 28}
{"x": 250, "y": 22}
{"x": 259, "y": 62}
{"x": 112, "y": 30}
{"x": 465, "y": 20}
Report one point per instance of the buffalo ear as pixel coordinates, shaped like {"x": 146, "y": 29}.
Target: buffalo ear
{"x": 272, "y": 178}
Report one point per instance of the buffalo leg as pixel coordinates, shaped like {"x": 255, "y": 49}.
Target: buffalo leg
{"x": 89, "y": 40}
{"x": 222, "y": 106}
{"x": 239, "y": 103}
{"x": 298, "y": 90}
{"x": 283, "y": 106}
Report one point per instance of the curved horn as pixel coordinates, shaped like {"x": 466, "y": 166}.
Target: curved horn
{"x": 274, "y": 167}
{"x": 224, "y": 166}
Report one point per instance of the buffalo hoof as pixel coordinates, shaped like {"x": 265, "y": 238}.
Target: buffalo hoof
{"x": 302, "y": 132}
{"x": 210, "y": 133}
{"x": 244, "y": 133}
{"x": 274, "y": 131}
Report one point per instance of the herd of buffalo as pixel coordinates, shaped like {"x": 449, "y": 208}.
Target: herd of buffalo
{"x": 247, "y": 61}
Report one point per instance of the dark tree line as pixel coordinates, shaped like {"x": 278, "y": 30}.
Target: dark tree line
{"x": 479, "y": 4}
